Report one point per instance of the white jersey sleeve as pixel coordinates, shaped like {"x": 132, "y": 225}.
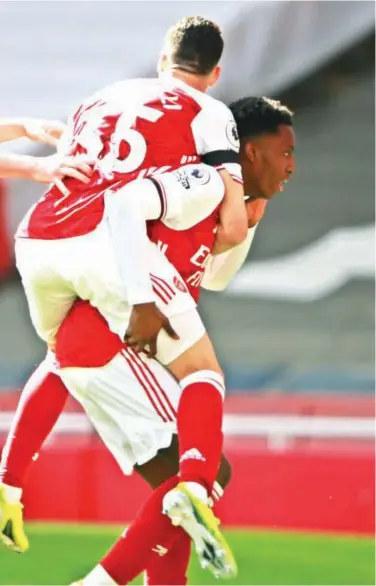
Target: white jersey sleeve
{"x": 190, "y": 193}
{"x": 222, "y": 268}
{"x": 126, "y": 212}
{"x": 216, "y": 137}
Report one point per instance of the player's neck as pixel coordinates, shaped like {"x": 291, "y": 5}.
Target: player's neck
{"x": 198, "y": 82}
{"x": 251, "y": 189}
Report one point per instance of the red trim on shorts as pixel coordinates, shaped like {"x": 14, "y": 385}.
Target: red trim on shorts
{"x": 142, "y": 375}
{"x": 161, "y": 291}
{"x": 165, "y": 285}
{"x": 160, "y": 294}
{"x": 152, "y": 375}
{"x": 145, "y": 387}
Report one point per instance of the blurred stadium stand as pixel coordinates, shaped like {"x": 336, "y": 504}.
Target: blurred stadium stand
{"x": 323, "y": 66}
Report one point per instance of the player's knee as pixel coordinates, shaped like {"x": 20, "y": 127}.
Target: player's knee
{"x": 199, "y": 357}
{"x": 224, "y": 472}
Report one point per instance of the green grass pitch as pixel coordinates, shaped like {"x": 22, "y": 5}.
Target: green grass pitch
{"x": 60, "y": 554}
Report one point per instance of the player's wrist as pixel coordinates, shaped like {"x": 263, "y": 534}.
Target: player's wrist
{"x": 37, "y": 169}
{"x": 25, "y": 165}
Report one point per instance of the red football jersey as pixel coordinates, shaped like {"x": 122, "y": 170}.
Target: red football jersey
{"x": 187, "y": 250}
{"x": 131, "y": 129}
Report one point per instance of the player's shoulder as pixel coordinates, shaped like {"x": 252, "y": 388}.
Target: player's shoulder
{"x": 205, "y": 101}
{"x": 214, "y": 104}
{"x": 210, "y": 104}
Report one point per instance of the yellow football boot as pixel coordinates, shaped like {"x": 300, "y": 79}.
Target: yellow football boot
{"x": 11, "y": 524}
{"x": 198, "y": 520}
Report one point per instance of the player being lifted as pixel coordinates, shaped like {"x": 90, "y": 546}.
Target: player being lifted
{"x": 92, "y": 244}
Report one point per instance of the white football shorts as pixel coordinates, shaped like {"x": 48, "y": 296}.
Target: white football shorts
{"x": 131, "y": 402}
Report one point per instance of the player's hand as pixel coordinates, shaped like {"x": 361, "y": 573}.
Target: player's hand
{"x": 145, "y": 323}
{"x": 255, "y": 210}
{"x": 54, "y": 168}
{"x": 46, "y": 131}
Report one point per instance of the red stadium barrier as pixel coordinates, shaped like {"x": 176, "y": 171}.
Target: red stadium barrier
{"x": 326, "y": 487}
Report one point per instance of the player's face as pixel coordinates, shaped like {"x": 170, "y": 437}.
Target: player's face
{"x": 273, "y": 161}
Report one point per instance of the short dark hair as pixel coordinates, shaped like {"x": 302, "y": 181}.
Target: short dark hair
{"x": 194, "y": 44}
{"x": 256, "y": 116}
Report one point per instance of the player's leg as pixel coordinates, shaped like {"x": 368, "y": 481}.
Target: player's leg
{"x": 132, "y": 403}
{"x": 149, "y": 543}
{"x": 40, "y": 405}
{"x": 171, "y": 567}
{"x": 48, "y": 292}
{"x": 192, "y": 360}
{"x": 128, "y": 404}
{"x": 166, "y": 566}
{"x": 200, "y": 410}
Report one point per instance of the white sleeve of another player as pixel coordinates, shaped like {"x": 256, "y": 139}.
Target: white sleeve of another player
{"x": 216, "y": 137}
{"x": 126, "y": 212}
{"x": 222, "y": 268}
{"x": 190, "y": 195}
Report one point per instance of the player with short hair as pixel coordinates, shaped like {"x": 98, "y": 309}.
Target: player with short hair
{"x": 194, "y": 45}
{"x": 93, "y": 243}
{"x": 267, "y": 143}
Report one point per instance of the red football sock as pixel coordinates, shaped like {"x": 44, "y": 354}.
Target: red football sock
{"x": 40, "y": 405}
{"x": 199, "y": 421}
{"x": 172, "y": 567}
{"x": 144, "y": 540}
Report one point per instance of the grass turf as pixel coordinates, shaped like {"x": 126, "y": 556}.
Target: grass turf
{"x": 60, "y": 554}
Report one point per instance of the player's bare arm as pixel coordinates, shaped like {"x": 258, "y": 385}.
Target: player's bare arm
{"x": 254, "y": 209}
{"x": 40, "y": 169}
{"x": 43, "y": 169}
{"x": 233, "y": 220}
{"x": 45, "y": 131}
